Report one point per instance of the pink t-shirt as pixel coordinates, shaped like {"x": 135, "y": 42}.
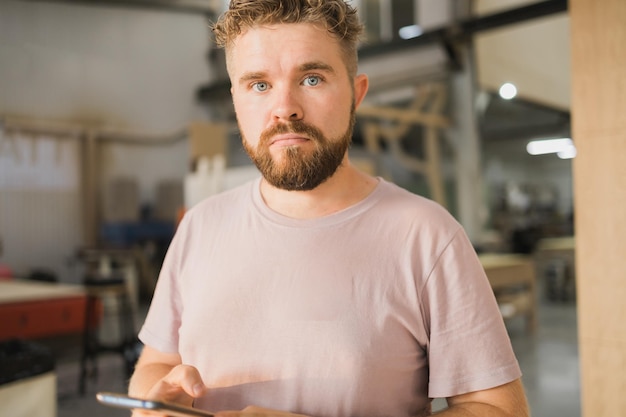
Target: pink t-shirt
{"x": 370, "y": 311}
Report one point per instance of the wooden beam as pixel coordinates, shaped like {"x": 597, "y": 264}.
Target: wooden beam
{"x": 404, "y": 115}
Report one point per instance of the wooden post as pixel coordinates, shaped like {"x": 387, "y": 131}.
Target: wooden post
{"x": 598, "y": 36}
{"x": 90, "y": 188}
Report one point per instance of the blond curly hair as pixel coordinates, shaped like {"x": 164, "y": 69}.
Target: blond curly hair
{"x": 339, "y": 18}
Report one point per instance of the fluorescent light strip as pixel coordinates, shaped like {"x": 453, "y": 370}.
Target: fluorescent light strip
{"x": 541, "y": 147}
{"x": 410, "y": 32}
{"x": 568, "y": 153}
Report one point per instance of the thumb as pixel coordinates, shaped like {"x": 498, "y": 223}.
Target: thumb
{"x": 189, "y": 379}
{"x": 181, "y": 385}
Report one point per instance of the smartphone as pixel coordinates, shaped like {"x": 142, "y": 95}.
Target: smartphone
{"x": 118, "y": 400}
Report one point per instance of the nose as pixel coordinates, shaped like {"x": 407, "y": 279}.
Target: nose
{"x": 287, "y": 105}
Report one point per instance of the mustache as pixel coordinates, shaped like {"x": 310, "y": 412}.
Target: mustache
{"x": 297, "y": 127}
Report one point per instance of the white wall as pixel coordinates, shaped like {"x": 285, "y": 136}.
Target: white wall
{"x": 485, "y": 7}
{"x": 534, "y": 55}
{"x": 123, "y": 68}
{"x": 119, "y": 66}
{"x": 39, "y": 202}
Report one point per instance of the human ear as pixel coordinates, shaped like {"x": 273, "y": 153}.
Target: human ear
{"x": 361, "y": 84}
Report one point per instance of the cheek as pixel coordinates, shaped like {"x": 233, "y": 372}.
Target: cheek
{"x": 250, "y": 121}
{"x": 338, "y": 118}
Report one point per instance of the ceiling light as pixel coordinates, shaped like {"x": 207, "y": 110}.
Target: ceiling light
{"x": 545, "y": 146}
{"x": 568, "y": 153}
{"x": 410, "y": 32}
{"x": 508, "y": 91}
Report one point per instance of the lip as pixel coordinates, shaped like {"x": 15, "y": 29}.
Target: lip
{"x": 288, "y": 139}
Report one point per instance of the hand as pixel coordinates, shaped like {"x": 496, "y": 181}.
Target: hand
{"x": 252, "y": 411}
{"x": 181, "y": 385}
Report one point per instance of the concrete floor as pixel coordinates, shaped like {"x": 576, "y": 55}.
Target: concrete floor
{"x": 549, "y": 361}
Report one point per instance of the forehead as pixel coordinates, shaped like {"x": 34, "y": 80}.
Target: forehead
{"x": 282, "y": 46}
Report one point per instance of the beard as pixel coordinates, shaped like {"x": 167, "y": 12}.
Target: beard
{"x": 299, "y": 169}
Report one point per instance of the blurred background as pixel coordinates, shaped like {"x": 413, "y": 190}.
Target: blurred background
{"x": 115, "y": 117}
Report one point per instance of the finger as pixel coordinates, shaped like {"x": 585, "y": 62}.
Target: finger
{"x": 261, "y": 411}
{"x": 253, "y": 411}
{"x": 181, "y": 385}
{"x": 188, "y": 378}
{"x": 138, "y": 413}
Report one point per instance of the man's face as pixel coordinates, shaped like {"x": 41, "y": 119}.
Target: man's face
{"x": 294, "y": 101}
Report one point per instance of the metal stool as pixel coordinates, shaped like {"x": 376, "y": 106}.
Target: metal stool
{"x": 99, "y": 291}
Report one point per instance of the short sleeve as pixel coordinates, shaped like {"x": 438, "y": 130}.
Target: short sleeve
{"x": 161, "y": 327}
{"x": 469, "y": 348}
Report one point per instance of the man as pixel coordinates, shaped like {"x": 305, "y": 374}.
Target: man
{"x": 319, "y": 290}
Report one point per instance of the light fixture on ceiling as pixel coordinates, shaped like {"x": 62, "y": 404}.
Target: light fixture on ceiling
{"x": 567, "y": 153}
{"x": 410, "y": 32}
{"x": 563, "y": 147}
{"x": 508, "y": 91}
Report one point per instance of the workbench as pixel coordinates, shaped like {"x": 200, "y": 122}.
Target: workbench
{"x": 513, "y": 280}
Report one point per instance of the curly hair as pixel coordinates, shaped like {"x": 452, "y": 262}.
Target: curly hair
{"x": 338, "y": 17}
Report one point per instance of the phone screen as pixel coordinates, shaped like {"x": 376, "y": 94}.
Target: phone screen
{"x": 118, "y": 400}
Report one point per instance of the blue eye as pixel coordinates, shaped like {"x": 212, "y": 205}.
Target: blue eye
{"x": 312, "y": 80}
{"x": 260, "y": 86}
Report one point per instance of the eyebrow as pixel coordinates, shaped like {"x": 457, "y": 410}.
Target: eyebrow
{"x": 249, "y": 76}
{"x": 316, "y": 65}
{"x": 307, "y": 66}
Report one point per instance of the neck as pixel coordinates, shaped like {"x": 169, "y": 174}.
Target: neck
{"x": 346, "y": 187}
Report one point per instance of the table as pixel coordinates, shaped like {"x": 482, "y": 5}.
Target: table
{"x": 555, "y": 258}
{"x": 32, "y": 310}
{"x": 513, "y": 280}
{"x": 35, "y": 310}
{"x": 556, "y": 247}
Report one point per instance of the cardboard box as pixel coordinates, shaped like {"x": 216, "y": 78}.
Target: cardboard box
{"x": 169, "y": 200}
{"x": 207, "y": 139}
{"x": 121, "y": 201}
